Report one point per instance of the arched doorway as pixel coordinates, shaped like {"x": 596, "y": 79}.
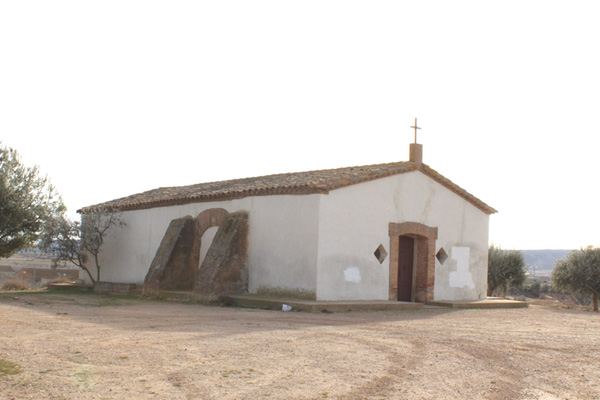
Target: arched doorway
{"x": 412, "y": 262}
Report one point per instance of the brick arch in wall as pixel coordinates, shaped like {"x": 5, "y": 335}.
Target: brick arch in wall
{"x": 207, "y": 219}
{"x": 176, "y": 263}
{"x": 424, "y": 259}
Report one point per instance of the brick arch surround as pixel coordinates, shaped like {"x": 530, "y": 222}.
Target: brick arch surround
{"x": 175, "y": 265}
{"x": 424, "y": 264}
{"x": 207, "y": 219}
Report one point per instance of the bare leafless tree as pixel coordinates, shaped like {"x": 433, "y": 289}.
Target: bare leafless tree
{"x": 75, "y": 242}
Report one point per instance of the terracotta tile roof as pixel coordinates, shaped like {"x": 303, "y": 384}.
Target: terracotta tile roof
{"x": 309, "y": 182}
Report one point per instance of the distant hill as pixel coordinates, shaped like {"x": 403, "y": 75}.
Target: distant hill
{"x": 543, "y": 260}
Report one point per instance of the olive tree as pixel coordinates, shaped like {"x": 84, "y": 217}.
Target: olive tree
{"x": 506, "y": 268}
{"x": 76, "y": 242}
{"x": 579, "y": 272}
{"x": 27, "y": 200}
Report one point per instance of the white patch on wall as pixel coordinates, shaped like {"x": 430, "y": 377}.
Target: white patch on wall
{"x": 352, "y": 274}
{"x": 462, "y": 276}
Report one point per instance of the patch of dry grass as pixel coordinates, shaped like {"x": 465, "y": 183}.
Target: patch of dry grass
{"x": 286, "y": 293}
{"x": 15, "y": 284}
{"x": 8, "y": 368}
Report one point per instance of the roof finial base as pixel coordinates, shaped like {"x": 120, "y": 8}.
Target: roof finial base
{"x": 416, "y": 153}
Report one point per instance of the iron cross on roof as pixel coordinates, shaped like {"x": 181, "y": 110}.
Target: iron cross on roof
{"x": 415, "y": 128}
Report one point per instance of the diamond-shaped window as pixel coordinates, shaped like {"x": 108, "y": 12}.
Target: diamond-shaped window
{"x": 380, "y": 254}
{"x": 442, "y": 256}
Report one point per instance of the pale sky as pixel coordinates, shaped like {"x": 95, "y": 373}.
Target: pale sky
{"x": 112, "y": 98}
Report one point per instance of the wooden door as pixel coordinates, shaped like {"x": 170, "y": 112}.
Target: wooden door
{"x": 405, "y": 267}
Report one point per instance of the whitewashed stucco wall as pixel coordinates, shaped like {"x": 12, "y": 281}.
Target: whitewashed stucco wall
{"x": 325, "y": 243}
{"x": 355, "y": 220}
{"x": 282, "y": 240}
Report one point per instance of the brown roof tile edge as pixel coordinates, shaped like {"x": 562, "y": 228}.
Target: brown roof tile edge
{"x": 177, "y": 201}
{"x": 137, "y": 201}
{"x": 309, "y": 182}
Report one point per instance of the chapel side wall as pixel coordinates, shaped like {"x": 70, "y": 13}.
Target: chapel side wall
{"x": 354, "y": 221}
{"x": 282, "y": 241}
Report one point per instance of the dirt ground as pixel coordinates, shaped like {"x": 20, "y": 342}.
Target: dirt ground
{"x": 95, "y": 347}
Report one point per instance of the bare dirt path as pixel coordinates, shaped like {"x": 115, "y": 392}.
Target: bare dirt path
{"x": 93, "y": 347}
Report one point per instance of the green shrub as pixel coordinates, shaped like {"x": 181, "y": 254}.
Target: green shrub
{"x": 506, "y": 269}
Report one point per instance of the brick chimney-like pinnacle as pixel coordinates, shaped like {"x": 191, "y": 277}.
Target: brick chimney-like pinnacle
{"x": 416, "y": 153}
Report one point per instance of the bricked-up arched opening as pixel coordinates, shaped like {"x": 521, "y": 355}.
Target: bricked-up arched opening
{"x": 423, "y": 268}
